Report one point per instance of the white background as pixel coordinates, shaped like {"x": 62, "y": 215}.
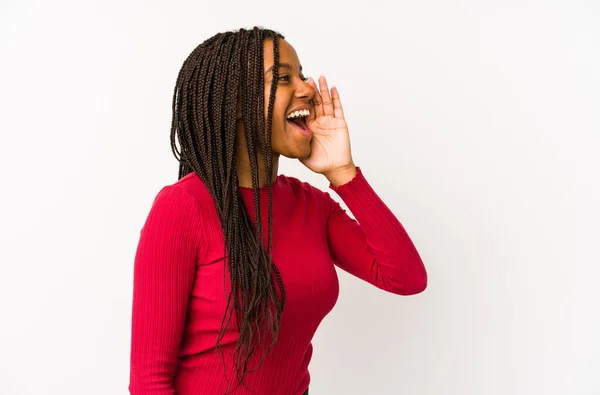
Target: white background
{"x": 476, "y": 121}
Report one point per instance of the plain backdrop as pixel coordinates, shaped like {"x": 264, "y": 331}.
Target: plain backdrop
{"x": 477, "y": 122}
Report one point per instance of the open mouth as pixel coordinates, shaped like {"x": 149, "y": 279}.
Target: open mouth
{"x": 298, "y": 120}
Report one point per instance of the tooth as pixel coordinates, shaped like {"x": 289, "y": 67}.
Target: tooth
{"x": 299, "y": 113}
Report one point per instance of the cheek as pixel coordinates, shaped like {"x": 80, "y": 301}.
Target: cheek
{"x": 278, "y": 138}
{"x": 278, "y": 122}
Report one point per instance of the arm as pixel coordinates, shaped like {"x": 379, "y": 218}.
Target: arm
{"x": 164, "y": 270}
{"x": 374, "y": 247}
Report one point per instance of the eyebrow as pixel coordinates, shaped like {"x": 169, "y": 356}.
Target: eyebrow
{"x": 284, "y": 65}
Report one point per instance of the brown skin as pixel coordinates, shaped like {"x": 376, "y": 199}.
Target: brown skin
{"x": 326, "y": 151}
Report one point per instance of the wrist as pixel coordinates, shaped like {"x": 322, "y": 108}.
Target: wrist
{"x": 341, "y": 175}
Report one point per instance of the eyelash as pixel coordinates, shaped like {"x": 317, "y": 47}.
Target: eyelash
{"x": 303, "y": 78}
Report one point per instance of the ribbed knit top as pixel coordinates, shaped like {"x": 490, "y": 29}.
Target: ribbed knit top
{"x": 180, "y": 288}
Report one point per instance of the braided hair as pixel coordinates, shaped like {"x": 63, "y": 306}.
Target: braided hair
{"x": 204, "y": 107}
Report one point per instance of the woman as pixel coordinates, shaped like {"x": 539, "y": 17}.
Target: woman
{"x": 203, "y": 324}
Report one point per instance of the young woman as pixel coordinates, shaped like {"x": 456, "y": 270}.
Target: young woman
{"x": 234, "y": 269}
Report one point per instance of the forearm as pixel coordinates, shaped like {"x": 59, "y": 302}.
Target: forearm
{"x": 394, "y": 262}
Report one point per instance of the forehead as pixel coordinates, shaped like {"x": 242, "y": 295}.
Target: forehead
{"x": 287, "y": 54}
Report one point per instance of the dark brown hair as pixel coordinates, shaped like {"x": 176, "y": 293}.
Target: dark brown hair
{"x": 204, "y": 125}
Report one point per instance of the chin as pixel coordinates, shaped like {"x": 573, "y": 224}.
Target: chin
{"x": 296, "y": 150}
{"x": 299, "y": 152}
{"x": 306, "y": 154}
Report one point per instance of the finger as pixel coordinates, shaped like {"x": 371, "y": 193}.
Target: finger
{"x": 338, "y": 111}
{"x": 317, "y": 100}
{"x": 326, "y": 98}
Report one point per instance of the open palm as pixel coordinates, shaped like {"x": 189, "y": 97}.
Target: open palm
{"x": 330, "y": 145}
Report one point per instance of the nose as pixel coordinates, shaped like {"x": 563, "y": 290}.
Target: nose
{"x": 304, "y": 91}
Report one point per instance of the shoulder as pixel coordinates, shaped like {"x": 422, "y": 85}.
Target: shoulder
{"x": 181, "y": 208}
{"x": 186, "y": 195}
{"x": 189, "y": 187}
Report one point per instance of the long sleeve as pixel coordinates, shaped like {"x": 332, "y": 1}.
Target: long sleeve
{"x": 375, "y": 247}
{"x": 164, "y": 271}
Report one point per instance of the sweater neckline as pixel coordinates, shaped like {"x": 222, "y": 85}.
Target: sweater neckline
{"x": 263, "y": 188}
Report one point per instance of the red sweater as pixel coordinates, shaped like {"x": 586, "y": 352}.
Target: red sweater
{"x": 179, "y": 297}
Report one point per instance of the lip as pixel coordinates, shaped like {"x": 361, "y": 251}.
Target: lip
{"x": 306, "y": 133}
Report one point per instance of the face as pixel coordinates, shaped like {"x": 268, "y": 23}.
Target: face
{"x": 289, "y": 138}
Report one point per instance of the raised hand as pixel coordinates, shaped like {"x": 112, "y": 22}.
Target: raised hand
{"x": 330, "y": 145}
